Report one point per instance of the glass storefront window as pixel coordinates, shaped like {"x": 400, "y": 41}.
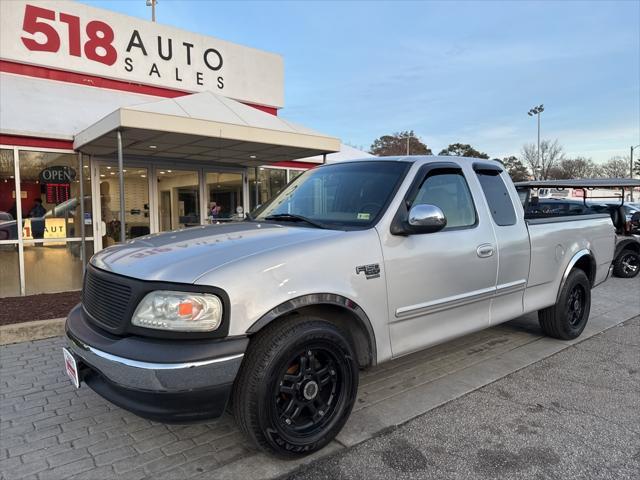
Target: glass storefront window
{"x": 295, "y": 173}
{"x": 136, "y": 202}
{"x": 9, "y": 270}
{"x": 53, "y": 266}
{"x": 50, "y": 196}
{"x": 224, "y": 195}
{"x": 270, "y": 181}
{"x": 8, "y": 208}
{"x": 178, "y": 199}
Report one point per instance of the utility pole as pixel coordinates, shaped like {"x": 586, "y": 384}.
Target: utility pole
{"x": 408, "y": 145}
{"x": 152, "y": 4}
{"x": 537, "y": 111}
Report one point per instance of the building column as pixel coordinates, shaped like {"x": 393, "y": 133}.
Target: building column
{"x": 121, "y": 179}
{"x": 81, "y": 200}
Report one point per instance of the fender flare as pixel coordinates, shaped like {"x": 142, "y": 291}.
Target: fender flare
{"x": 624, "y": 244}
{"x": 572, "y": 263}
{"x": 319, "y": 299}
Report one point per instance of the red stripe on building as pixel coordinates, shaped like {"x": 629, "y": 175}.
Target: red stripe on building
{"x": 21, "y": 141}
{"x": 100, "y": 82}
{"x": 295, "y": 164}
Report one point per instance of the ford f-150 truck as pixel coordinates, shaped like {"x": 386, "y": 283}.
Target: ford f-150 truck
{"x": 349, "y": 266}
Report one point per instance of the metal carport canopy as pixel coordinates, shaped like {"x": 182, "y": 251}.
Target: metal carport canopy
{"x": 202, "y": 127}
{"x": 581, "y": 183}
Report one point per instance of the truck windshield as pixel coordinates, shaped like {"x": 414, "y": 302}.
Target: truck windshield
{"x": 336, "y": 196}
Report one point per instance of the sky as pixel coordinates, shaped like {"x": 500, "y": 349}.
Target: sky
{"x": 453, "y": 72}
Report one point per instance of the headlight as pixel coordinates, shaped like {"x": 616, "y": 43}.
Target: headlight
{"x": 179, "y": 311}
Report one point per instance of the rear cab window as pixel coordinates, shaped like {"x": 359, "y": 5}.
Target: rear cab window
{"x": 497, "y": 195}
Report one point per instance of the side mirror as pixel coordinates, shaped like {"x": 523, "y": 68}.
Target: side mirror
{"x": 425, "y": 219}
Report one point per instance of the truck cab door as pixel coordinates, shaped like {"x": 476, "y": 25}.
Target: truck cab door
{"x": 512, "y": 235}
{"x": 440, "y": 285}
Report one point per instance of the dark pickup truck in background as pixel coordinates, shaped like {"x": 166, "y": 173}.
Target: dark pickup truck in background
{"x": 624, "y": 215}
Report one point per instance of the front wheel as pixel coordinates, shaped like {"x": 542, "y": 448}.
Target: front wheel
{"x": 567, "y": 318}
{"x": 627, "y": 265}
{"x": 296, "y": 387}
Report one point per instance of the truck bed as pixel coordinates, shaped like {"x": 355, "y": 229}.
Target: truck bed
{"x": 554, "y": 242}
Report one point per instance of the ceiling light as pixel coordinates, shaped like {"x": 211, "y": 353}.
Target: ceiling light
{"x": 153, "y": 146}
{"x": 108, "y": 168}
{"x": 102, "y": 175}
{"x": 86, "y": 166}
{"x": 168, "y": 171}
{"x": 252, "y": 156}
{"x": 143, "y": 176}
{"x": 113, "y": 173}
{"x": 161, "y": 173}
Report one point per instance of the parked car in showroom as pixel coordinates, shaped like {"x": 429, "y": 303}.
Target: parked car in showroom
{"x": 351, "y": 265}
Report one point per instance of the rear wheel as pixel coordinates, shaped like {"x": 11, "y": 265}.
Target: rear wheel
{"x": 627, "y": 264}
{"x": 567, "y": 318}
{"x": 297, "y": 386}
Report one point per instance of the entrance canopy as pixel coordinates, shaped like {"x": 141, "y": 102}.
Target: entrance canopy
{"x": 203, "y": 127}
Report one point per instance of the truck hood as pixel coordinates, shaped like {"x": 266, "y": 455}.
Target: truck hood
{"x": 185, "y": 255}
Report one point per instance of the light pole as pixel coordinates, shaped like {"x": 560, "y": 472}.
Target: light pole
{"x": 537, "y": 111}
{"x": 631, "y": 169}
{"x": 152, "y": 4}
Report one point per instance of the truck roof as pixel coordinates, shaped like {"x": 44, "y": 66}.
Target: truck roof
{"x": 421, "y": 159}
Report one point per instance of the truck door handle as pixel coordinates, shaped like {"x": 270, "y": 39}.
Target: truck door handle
{"x": 485, "y": 250}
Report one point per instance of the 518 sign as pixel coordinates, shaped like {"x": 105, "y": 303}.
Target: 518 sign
{"x": 98, "y": 47}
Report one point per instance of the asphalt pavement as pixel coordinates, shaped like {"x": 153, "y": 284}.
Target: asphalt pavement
{"x": 573, "y": 415}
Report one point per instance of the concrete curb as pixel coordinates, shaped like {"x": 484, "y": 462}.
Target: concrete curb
{"x": 27, "y": 331}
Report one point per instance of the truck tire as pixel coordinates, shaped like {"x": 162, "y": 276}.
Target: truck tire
{"x": 627, "y": 264}
{"x": 567, "y": 318}
{"x": 296, "y": 387}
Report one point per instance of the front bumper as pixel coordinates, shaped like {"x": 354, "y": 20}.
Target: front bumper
{"x": 168, "y": 380}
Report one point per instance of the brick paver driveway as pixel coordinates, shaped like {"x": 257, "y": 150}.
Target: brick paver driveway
{"x": 50, "y": 430}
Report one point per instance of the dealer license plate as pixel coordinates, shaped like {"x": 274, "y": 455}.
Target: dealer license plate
{"x": 71, "y": 367}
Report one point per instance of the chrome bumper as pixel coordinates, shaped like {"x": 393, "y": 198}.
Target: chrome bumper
{"x": 157, "y": 377}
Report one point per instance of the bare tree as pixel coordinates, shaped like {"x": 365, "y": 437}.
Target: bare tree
{"x": 579, "y": 167}
{"x": 616, "y": 167}
{"x": 551, "y": 154}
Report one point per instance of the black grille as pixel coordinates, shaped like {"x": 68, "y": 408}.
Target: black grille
{"x": 110, "y": 300}
{"x": 106, "y": 299}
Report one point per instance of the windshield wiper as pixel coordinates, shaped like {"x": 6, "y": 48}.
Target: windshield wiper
{"x": 292, "y": 217}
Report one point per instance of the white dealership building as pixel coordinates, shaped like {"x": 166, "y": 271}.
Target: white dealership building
{"x": 193, "y": 120}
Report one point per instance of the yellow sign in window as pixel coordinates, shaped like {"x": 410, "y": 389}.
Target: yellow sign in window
{"x": 35, "y": 228}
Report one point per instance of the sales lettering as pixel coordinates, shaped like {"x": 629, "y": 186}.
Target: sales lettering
{"x": 94, "y": 40}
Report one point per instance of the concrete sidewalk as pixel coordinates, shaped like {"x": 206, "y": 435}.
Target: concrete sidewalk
{"x": 50, "y": 430}
{"x": 574, "y": 415}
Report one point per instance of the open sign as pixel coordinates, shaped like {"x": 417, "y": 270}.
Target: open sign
{"x": 57, "y": 174}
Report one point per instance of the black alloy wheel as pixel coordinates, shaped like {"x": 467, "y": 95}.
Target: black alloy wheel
{"x": 627, "y": 265}
{"x": 575, "y": 305}
{"x": 569, "y": 316}
{"x": 309, "y": 390}
{"x": 297, "y": 385}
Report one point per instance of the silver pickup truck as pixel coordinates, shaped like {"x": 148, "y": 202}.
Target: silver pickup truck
{"x": 351, "y": 265}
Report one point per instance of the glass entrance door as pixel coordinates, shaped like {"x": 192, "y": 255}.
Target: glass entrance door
{"x": 136, "y": 203}
{"x": 178, "y": 199}
{"x": 224, "y": 195}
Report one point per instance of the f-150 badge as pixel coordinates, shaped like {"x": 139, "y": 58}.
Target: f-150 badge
{"x": 370, "y": 271}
